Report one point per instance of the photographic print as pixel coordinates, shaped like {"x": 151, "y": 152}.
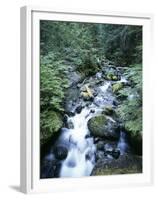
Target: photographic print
{"x": 90, "y": 99}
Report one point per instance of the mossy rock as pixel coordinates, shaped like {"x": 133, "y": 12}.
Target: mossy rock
{"x": 116, "y": 87}
{"x": 125, "y": 164}
{"x": 103, "y": 127}
{"x": 114, "y": 78}
{"x": 51, "y": 124}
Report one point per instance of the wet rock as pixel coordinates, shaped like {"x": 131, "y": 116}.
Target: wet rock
{"x": 70, "y": 124}
{"x": 86, "y": 96}
{"x": 103, "y": 127}
{"x": 96, "y": 139}
{"x": 100, "y": 145}
{"x": 115, "y": 103}
{"x": 111, "y": 73}
{"x": 95, "y": 93}
{"x": 108, "y": 148}
{"x": 65, "y": 118}
{"x": 89, "y": 155}
{"x": 125, "y": 164}
{"x": 74, "y": 78}
{"x": 83, "y": 89}
{"x": 88, "y": 136}
{"x": 108, "y": 110}
{"x": 50, "y": 167}
{"x": 99, "y": 75}
{"x": 87, "y": 93}
{"x": 79, "y": 109}
{"x": 100, "y": 155}
{"x": 115, "y": 153}
{"x": 60, "y": 152}
{"x": 71, "y": 163}
{"x": 92, "y": 111}
{"x": 72, "y": 98}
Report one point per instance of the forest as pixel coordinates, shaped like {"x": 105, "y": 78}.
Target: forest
{"x": 90, "y": 99}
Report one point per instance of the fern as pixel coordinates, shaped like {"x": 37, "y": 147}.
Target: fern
{"x": 53, "y": 83}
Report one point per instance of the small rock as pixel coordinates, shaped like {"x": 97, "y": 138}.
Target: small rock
{"x": 89, "y": 155}
{"x": 108, "y": 148}
{"x": 100, "y": 155}
{"x": 79, "y": 109}
{"x": 100, "y": 145}
{"x": 96, "y": 139}
{"x": 88, "y": 136}
{"x": 69, "y": 124}
{"x": 60, "y": 152}
{"x": 98, "y": 75}
{"x": 117, "y": 86}
{"x": 92, "y": 111}
{"x": 115, "y": 153}
{"x": 71, "y": 163}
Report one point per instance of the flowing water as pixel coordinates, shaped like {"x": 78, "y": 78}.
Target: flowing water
{"x": 81, "y": 156}
{"x": 80, "y": 160}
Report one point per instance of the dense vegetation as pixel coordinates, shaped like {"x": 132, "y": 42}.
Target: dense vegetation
{"x": 86, "y": 45}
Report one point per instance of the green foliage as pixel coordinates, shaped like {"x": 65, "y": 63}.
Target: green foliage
{"x": 123, "y": 43}
{"x": 50, "y": 123}
{"x": 130, "y": 110}
{"x": 53, "y": 83}
{"x": 89, "y": 65}
{"x": 64, "y": 44}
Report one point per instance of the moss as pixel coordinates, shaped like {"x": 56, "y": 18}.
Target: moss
{"x": 109, "y": 76}
{"x": 96, "y": 125}
{"x": 125, "y": 164}
{"x": 114, "y": 78}
{"x": 116, "y": 87}
{"x": 102, "y": 172}
{"x": 51, "y": 123}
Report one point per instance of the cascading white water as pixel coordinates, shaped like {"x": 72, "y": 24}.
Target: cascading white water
{"x": 81, "y": 156}
{"x": 122, "y": 143}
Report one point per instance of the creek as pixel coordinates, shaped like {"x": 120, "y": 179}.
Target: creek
{"x": 76, "y": 152}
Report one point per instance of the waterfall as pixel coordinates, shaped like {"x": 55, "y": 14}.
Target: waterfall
{"x": 123, "y": 143}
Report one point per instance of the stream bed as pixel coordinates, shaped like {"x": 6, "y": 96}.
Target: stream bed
{"x": 92, "y": 137}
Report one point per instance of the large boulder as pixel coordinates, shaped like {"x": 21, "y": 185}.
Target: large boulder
{"x": 103, "y": 127}
{"x": 125, "y": 164}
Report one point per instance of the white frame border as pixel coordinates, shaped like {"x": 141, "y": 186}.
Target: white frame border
{"x": 29, "y": 179}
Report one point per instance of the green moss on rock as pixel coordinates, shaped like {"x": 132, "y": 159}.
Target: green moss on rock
{"x": 51, "y": 123}
{"x": 126, "y": 164}
{"x": 103, "y": 127}
{"x": 116, "y": 87}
